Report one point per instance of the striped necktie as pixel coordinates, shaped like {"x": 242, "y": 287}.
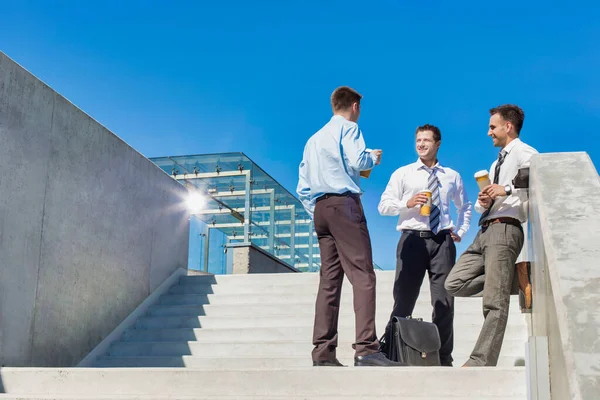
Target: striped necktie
{"x": 433, "y": 184}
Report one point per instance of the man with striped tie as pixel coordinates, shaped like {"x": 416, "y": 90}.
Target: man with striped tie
{"x": 427, "y": 241}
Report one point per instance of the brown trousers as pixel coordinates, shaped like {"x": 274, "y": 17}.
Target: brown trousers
{"x": 345, "y": 249}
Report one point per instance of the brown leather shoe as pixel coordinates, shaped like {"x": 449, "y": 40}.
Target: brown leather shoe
{"x": 328, "y": 363}
{"x": 524, "y": 283}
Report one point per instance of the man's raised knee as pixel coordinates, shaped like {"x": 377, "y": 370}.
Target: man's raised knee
{"x": 452, "y": 286}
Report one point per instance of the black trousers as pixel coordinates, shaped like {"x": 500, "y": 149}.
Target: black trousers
{"x": 436, "y": 256}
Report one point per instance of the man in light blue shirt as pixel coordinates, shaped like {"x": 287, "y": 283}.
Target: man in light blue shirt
{"x": 330, "y": 192}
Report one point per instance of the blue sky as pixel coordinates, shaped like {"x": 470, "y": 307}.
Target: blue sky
{"x": 174, "y": 78}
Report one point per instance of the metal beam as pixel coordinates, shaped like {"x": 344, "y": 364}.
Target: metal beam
{"x": 292, "y": 234}
{"x": 247, "y": 216}
{"x": 256, "y": 192}
{"x": 262, "y": 223}
{"x": 272, "y": 220}
{"x": 204, "y": 175}
{"x": 240, "y": 210}
{"x": 206, "y": 248}
{"x": 281, "y": 235}
{"x": 306, "y": 246}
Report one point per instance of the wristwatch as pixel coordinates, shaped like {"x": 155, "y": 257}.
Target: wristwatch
{"x": 508, "y": 190}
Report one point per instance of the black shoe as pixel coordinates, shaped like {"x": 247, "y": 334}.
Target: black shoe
{"x": 446, "y": 363}
{"x": 375, "y": 360}
{"x": 328, "y": 363}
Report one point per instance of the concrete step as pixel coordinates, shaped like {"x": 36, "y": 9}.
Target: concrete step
{"x": 290, "y": 298}
{"x": 291, "y": 333}
{"x": 358, "y": 382}
{"x": 345, "y": 319}
{"x": 261, "y": 349}
{"x": 201, "y": 397}
{"x": 272, "y": 288}
{"x": 252, "y": 298}
{"x": 273, "y": 279}
{"x": 253, "y": 362}
{"x": 190, "y": 305}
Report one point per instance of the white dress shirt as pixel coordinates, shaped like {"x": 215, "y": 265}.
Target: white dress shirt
{"x": 518, "y": 155}
{"x": 407, "y": 181}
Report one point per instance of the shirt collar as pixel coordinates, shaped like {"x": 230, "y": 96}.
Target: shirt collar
{"x": 337, "y": 116}
{"x": 437, "y": 166}
{"x": 510, "y": 146}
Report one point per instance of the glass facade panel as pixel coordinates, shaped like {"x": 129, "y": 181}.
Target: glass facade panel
{"x": 241, "y": 203}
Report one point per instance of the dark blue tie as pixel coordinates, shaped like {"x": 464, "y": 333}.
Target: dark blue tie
{"x": 501, "y": 157}
{"x": 433, "y": 184}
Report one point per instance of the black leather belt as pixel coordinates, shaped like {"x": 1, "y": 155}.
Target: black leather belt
{"x": 345, "y": 194}
{"x": 426, "y": 234}
{"x": 502, "y": 220}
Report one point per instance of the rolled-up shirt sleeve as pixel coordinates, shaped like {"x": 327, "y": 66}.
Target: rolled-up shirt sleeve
{"x": 303, "y": 189}
{"x": 355, "y": 149}
{"x": 463, "y": 206}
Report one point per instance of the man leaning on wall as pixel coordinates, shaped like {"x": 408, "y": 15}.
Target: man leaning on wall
{"x": 329, "y": 189}
{"x": 488, "y": 266}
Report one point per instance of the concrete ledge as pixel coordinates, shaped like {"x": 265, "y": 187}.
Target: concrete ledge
{"x": 565, "y": 221}
{"x": 130, "y": 321}
{"x": 251, "y": 259}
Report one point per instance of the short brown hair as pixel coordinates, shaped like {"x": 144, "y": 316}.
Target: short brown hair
{"x": 511, "y": 113}
{"x": 343, "y": 97}
{"x": 437, "y": 134}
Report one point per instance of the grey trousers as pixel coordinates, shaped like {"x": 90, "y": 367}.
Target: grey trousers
{"x": 488, "y": 267}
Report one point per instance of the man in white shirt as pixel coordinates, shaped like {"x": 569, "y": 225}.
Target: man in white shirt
{"x": 488, "y": 266}
{"x": 427, "y": 242}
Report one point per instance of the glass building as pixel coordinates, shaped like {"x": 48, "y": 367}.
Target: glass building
{"x": 237, "y": 202}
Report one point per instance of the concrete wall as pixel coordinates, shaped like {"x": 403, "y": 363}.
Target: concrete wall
{"x": 251, "y": 259}
{"x": 565, "y": 223}
{"x": 88, "y": 226}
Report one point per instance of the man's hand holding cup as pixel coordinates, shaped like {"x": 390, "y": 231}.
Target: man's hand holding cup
{"x": 483, "y": 182}
{"x": 419, "y": 199}
{"x": 484, "y": 200}
{"x": 494, "y": 191}
{"x": 377, "y": 153}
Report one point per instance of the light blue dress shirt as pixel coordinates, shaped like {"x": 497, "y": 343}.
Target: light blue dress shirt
{"x": 332, "y": 161}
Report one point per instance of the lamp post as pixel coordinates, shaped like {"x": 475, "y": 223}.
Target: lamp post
{"x": 200, "y": 258}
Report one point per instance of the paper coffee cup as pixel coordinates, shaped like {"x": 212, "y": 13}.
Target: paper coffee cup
{"x": 365, "y": 173}
{"x": 483, "y": 179}
{"x": 426, "y": 208}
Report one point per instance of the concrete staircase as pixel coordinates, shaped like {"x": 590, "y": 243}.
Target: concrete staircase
{"x": 249, "y": 337}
